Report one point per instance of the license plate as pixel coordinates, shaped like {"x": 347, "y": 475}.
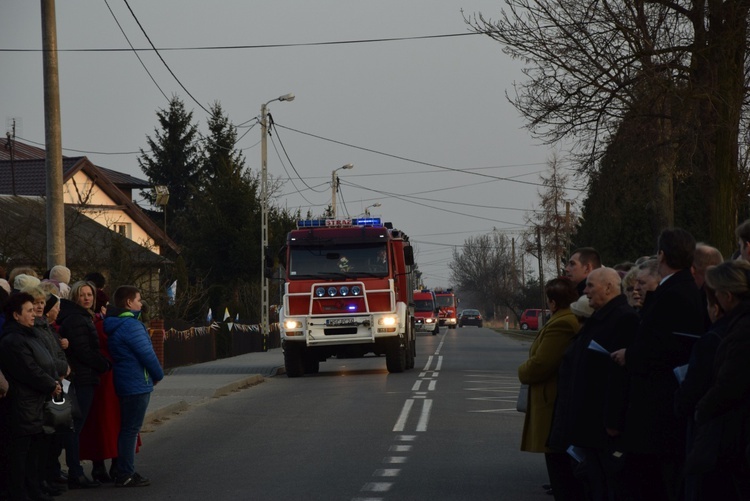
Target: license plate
{"x": 341, "y": 322}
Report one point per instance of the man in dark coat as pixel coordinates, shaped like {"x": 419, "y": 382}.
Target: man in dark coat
{"x": 592, "y": 397}
{"x": 582, "y": 262}
{"x": 654, "y": 437}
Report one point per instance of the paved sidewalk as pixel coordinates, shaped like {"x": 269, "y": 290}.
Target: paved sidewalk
{"x": 194, "y": 384}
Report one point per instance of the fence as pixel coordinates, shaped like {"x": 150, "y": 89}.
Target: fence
{"x": 203, "y": 344}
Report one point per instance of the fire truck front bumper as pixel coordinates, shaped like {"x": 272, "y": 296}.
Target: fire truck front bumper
{"x": 320, "y": 331}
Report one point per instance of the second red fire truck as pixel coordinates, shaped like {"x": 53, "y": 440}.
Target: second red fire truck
{"x": 446, "y": 301}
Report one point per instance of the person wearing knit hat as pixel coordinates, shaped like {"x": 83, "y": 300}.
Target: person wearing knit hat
{"x": 581, "y": 307}
{"x": 61, "y": 274}
{"x": 23, "y": 281}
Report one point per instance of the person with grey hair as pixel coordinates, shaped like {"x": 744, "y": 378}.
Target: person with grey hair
{"x": 647, "y": 279}
{"x": 671, "y": 320}
{"x": 592, "y": 392}
{"x": 723, "y": 413}
{"x": 705, "y": 256}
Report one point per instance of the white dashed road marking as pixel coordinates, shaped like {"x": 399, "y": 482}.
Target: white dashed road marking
{"x": 429, "y": 377}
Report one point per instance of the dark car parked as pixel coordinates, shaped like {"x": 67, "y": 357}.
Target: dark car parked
{"x": 470, "y": 317}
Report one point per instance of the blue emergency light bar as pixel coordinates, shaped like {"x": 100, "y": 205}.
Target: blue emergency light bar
{"x": 339, "y": 223}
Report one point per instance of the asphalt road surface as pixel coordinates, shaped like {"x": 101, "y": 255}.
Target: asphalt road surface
{"x": 445, "y": 430}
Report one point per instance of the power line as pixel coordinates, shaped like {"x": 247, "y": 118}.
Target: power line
{"x": 262, "y": 46}
{"x": 287, "y": 172}
{"x": 398, "y": 157}
{"x": 84, "y": 151}
{"x": 162, "y": 59}
{"x": 134, "y": 51}
{"x": 273, "y": 126}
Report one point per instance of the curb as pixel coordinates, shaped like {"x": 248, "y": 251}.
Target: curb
{"x": 165, "y": 411}
{"x": 183, "y": 405}
{"x": 236, "y": 385}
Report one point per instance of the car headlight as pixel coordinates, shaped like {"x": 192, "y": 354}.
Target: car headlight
{"x": 429, "y": 320}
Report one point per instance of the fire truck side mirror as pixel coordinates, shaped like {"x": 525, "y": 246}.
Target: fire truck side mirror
{"x": 409, "y": 256}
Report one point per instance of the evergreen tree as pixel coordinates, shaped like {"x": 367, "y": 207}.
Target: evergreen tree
{"x": 225, "y": 218}
{"x": 174, "y": 160}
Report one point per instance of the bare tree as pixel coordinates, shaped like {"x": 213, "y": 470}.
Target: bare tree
{"x": 554, "y": 218}
{"x": 677, "y": 65}
{"x": 485, "y": 268}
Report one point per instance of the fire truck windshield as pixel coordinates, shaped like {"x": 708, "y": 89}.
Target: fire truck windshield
{"x": 444, "y": 300}
{"x": 424, "y": 305}
{"x": 350, "y": 260}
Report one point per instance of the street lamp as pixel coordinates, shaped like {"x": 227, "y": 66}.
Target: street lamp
{"x": 334, "y": 186}
{"x": 162, "y": 199}
{"x": 367, "y": 209}
{"x": 264, "y": 208}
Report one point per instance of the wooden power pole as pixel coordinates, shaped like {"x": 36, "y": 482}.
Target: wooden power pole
{"x": 53, "y": 140}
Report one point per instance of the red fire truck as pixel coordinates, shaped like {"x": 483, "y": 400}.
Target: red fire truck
{"x": 426, "y": 312}
{"x": 348, "y": 289}
{"x": 446, "y": 301}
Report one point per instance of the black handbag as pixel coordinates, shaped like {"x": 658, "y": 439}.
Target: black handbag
{"x": 58, "y": 414}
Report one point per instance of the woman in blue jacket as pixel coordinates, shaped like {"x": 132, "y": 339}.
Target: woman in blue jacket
{"x": 136, "y": 369}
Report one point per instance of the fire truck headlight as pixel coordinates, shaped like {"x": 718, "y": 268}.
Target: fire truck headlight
{"x": 356, "y": 291}
{"x": 344, "y": 290}
{"x": 429, "y": 320}
{"x": 291, "y": 325}
{"x": 320, "y": 292}
{"x": 387, "y": 321}
{"x": 332, "y": 291}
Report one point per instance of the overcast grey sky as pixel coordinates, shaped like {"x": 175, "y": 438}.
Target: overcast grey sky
{"x": 467, "y": 165}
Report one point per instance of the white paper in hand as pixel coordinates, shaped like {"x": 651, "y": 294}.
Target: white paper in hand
{"x": 593, "y": 345}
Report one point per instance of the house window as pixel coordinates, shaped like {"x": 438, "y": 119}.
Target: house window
{"x": 124, "y": 229}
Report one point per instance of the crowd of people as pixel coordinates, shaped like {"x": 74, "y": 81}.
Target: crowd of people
{"x": 61, "y": 340}
{"x": 639, "y": 383}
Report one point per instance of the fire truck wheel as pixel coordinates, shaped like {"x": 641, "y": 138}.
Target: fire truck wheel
{"x": 293, "y": 362}
{"x": 395, "y": 356}
{"x": 452, "y": 326}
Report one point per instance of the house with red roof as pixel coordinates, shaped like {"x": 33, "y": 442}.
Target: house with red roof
{"x": 101, "y": 194}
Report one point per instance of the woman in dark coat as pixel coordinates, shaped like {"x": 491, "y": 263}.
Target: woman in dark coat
{"x": 32, "y": 378}
{"x": 76, "y": 321}
{"x": 723, "y": 414}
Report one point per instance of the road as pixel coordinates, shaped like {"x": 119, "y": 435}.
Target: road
{"x": 446, "y": 430}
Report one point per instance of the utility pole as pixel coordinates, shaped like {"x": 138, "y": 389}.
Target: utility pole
{"x": 567, "y": 231}
{"x": 513, "y": 260}
{"x": 11, "y": 139}
{"x": 264, "y": 324}
{"x": 541, "y": 273}
{"x": 53, "y": 140}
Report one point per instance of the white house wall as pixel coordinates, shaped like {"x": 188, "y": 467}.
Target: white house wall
{"x": 81, "y": 190}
